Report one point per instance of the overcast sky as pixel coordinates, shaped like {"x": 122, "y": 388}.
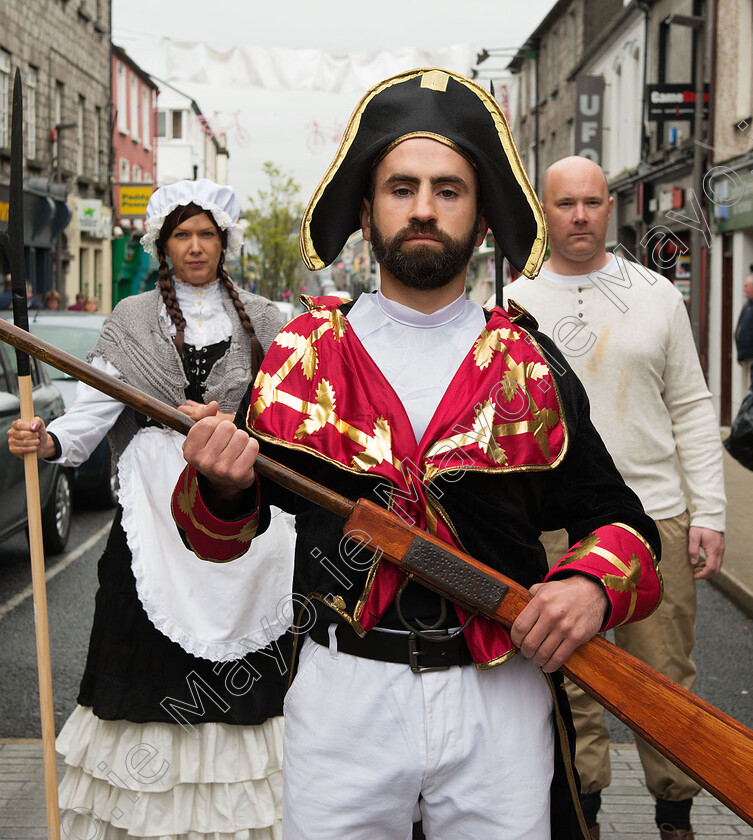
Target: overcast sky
{"x": 279, "y": 124}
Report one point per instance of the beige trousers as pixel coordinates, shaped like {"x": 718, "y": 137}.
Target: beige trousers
{"x": 664, "y": 641}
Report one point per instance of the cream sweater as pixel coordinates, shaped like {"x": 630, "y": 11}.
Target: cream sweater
{"x": 629, "y": 341}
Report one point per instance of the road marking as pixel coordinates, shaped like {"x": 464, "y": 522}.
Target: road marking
{"x": 55, "y": 570}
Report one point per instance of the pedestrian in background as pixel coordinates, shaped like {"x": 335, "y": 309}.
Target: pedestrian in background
{"x": 147, "y": 756}
{"x": 650, "y": 403}
{"x": 6, "y": 296}
{"x": 79, "y": 304}
{"x": 52, "y": 299}
{"x": 90, "y": 305}
{"x": 744, "y": 330}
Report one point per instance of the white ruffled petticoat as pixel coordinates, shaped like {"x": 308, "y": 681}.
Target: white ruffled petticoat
{"x": 161, "y": 781}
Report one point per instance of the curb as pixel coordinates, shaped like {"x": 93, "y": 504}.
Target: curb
{"x": 737, "y": 592}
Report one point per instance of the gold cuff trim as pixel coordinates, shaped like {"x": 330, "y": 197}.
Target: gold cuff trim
{"x": 492, "y": 663}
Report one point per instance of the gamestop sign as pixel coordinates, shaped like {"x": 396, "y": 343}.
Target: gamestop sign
{"x": 589, "y": 108}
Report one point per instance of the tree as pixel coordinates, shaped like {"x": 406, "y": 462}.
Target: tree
{"x": 273, "y": 220}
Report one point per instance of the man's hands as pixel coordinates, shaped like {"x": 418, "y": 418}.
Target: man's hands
{"x": 197, "y": 411}
{"x": 26, "y": 437}
{"x": 223, "y": 454}
{"x": 562, "y": 615}
{"x": 712, "y": 543}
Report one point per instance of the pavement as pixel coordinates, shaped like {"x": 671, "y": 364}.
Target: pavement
{"x": 627, "y": 807}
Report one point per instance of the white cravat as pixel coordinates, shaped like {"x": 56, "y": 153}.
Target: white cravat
{"x": 417, "y": 353}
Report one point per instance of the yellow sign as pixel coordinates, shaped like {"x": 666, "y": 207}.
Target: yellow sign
{"x": 4, "y": 207}
{"x": 133, "y": 199}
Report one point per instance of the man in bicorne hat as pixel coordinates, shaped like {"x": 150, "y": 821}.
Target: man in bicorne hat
{"x": 466, "y": 423}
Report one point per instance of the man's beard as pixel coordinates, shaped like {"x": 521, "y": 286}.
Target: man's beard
{"x": 423, "y": 266}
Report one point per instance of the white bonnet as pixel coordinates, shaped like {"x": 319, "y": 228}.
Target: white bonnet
{"x": 221, "y": 201}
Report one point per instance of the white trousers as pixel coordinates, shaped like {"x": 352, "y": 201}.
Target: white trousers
{"x": 366, "y": 741}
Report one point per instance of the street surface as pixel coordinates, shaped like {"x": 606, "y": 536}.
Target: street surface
{"x": 724, "y": 648}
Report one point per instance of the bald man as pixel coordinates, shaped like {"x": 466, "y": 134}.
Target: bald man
{"x": 625, "y": 332}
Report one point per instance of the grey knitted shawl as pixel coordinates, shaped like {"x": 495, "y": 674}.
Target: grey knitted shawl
{"x": 137, "y": 341}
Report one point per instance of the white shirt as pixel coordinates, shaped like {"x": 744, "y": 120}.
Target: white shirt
{"x": 636, "y": 358}
{"x": 418, "y": 354}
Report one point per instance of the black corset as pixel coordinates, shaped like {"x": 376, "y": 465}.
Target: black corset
{"x": 197, "y": 365}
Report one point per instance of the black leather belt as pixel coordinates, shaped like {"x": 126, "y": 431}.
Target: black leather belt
{"x": 403, "y": 648}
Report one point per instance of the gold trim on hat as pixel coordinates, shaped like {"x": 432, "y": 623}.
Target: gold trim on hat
{"x": 311, "y": 258}
{"x": 426, "y": 135}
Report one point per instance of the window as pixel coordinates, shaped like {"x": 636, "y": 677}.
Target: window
{"x": 146, "y": 116}
{"x": 57, "y": 103}
{"x": 4, "y": 99}
{"x": 554, "y": 67}
{"x": 136, "y": 173}
{"x": 80, "y": 135}
{"x": 124, "y": 170}
{"x": 98, "y": 143}
{"x": 30, "y": 111}
{"x": 177, "y": 124}
{"x": 162, "y": 124}
{"x": 743, "y": 104}
{"x": 134, "y": 108}
{"x": 122, "y": 101}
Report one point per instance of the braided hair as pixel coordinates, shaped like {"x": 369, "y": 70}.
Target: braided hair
{"x": 167, "y": 287}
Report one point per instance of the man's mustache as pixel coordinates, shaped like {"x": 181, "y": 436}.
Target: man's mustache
{"x": 423, "y": 229}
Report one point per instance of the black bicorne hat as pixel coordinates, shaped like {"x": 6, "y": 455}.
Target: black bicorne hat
{"x": 451, "y": 109}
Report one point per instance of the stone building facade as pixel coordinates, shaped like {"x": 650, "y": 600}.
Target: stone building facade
{"x": 729, "y": 189}
{"x": 62, "y": 49}
{"x": 545, "y": 124}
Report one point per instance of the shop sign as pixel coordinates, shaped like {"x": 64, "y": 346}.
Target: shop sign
{"x": 134, "y": 198}
{"x": 730, "y": 194}
{"x": 674, "y": 102}
{"x": 89, "y": 215}
{"x": 589, "y": 99}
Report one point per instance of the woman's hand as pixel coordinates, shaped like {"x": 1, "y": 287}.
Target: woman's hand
{"x": 24, "y": 437}
{"x": 198, "y": 411}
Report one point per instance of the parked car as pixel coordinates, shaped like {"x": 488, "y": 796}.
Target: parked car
{"x": 96, "y": 480}
{"x": 55, "y": 482}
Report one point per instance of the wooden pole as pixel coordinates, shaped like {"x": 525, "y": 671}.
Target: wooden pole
{"x": 41, "y": 624}
{"x": 12, "y": 243}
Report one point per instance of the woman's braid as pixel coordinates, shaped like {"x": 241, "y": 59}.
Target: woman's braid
{"x": 257, "y": 353}
{"x": 167, "y": 288}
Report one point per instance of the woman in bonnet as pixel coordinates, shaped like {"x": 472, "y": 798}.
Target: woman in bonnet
{"x": 178, "y": 728}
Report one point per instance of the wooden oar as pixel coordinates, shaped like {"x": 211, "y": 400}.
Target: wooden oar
{"x": 709, "y": 745}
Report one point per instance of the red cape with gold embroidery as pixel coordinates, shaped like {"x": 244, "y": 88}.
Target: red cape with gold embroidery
{"x": 320, "y": 392}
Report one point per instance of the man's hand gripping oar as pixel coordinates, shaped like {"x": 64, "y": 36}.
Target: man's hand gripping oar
{"x": 710, "y": 746}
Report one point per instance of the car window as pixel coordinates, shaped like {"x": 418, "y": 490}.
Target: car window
{"x": 35, "y": 370}
{"x": 76, "y": 341}
{"x": 4, "y": 375}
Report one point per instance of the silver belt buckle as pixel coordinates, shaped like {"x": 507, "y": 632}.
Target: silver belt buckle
{"x": 415, "y": 652}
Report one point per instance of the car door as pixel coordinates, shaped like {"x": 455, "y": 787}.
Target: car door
{"x": 48, "y": 404}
